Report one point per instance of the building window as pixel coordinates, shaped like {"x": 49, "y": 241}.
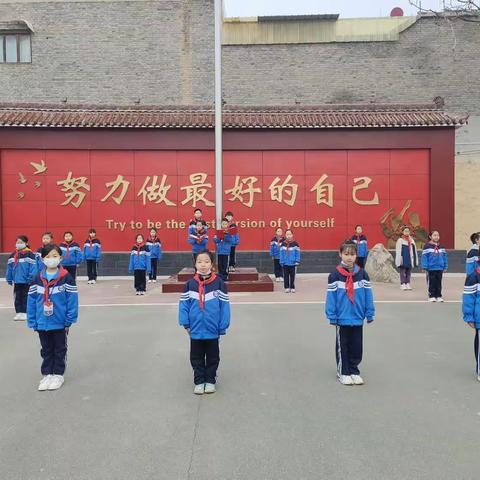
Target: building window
{"x": 15, "y": 48}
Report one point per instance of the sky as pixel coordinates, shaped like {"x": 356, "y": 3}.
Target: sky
{"x": 346, "y": 8}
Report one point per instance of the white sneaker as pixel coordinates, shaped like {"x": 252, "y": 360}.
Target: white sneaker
{"x": 357, "y": 380}
{"x": 149, "y": 281}
{"x": 408, "y": 287}
{"x": 292, "y": 290}
{"x": 142, "y": 293}
{"x": 403, "y": 286}
{"x": 44, "y": 383}
{"x": 287, "y": 290}
{"x": 432, "y": 300}
{"x": 137, "y": 293}
{"x": 210, "y": 388}
{"x": 94, "y": 282}
{"x": 478, "y": 378}
{"x": 345, "y": 380}
{"x": 55, "y": 382}
{"x": 23, "y": 316}
{"x": 199, "y": 389}
{"x": 154, "y": 281}
{"x": 440, "y": 300}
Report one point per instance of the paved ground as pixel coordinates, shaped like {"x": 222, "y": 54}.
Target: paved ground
{"x": 126, "y": 410}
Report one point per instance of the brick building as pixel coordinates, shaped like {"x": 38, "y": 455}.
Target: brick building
{"x": 160, "y": 53}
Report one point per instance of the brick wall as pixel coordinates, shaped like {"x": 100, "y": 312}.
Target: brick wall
{"x": 161, "y": 52}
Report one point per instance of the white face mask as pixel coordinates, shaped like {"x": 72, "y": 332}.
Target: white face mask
{"x": 20, "y": 245}
{"x": 51, "y": 262}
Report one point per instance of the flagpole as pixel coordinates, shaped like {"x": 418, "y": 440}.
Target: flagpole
{"x": 218, "y": 113}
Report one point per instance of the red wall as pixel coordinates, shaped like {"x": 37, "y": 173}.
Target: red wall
{"x": 397, "y": 176}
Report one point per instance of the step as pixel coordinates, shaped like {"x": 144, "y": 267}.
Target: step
{"x": 263, "y": 284}
{"x": 242, "y": 274}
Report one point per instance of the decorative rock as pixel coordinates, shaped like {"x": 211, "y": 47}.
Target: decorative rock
{"x": 380, "y": 265}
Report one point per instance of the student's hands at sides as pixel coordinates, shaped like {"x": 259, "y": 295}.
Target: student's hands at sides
{"x": 10, "y": 283}
{"x": 187, "y": 329}
{"x": 370, "y": 320}
{"x": 472, "y": 325}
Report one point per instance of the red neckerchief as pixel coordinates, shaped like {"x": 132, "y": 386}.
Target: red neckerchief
{"x": 349, "y": 282}
{"x": 18, "y": 252}
{"x": 67, "y": 256}
{"x": 90, "y": 239}
{"x": 51, "y": 283}
{"x": 200, "y": 235}
{"x": 154, "y": 239}
{"x": 138, "y": 246}
{"x": 408, "y": 239}
{"x": 288, "y": 242}
{"x": 358, "y": 238}
{"x": 280, "y": 240}
{"x": 436, "y": 248}
{"x": 201, "y": 287}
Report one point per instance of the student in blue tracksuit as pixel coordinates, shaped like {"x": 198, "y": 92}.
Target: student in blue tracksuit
{"x": 92, "y": 252}
{"x": 52, "y": 309}
{"x": 471, "y": 311}
{"x": 140, "y": 265}
{"x": 434, "y": 262}
{"x": 275, "y": 246}
{"x": 197, "y": 217}
{"x": 223, "y": 241}
{"x": 472, "y": 263}
{"x": 21, "y": 270}
{"x": 204, "y": 312}
{"x": 47, "y": 239}
{"x": 233, "y": 231}
{"x": 362, "y": 246}
{"x": 155, "y": 246}
{"x": 289, "y": 260}
{"x": 72, "y": 255}
{"x": 198, "y": 238}
{"x": 349, "y": 303}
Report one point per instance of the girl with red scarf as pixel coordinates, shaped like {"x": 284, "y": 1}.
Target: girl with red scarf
{"x": 434, "y": 263}
{"x": 140, "y": 264}
{"x": 21, "y": 271}
{"x": 349, "y": 302}
{"x": 406, "y": 257}
{"x": 204, "y": 312}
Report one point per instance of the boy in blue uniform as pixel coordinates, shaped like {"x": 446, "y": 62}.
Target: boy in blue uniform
{"x": 235, "y": 241}
{"x": 52, "y": 309}
{"x": 204, "y": 312}
{"x": 140, "y": 265}
{"x": 47, "y": 239}
{"x": 71, "y": 254}
{"x": 289, "y": 260}
{"x": 21, "y": 270}
{"x": 223, "y": 241}
{"x": 362, "y": 246}
{"x": 275, "y": 246}
{"x": 349, "y": 302}
{"x": 92, "y": 252}
{"x": 471, "y": 263}
{"x": 198, "y": 238}
{"x": 155, "y": 246}
{"x": 471, "y": 311}
{"x": 434, "y": 262}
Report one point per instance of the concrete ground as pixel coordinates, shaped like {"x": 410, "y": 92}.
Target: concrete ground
{"x": 127, "y": 410}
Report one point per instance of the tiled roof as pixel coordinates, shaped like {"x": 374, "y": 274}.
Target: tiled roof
{"x": 299, "y": 116}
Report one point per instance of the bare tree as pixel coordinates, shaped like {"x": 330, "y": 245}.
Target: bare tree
{"x": 467, "y": 10}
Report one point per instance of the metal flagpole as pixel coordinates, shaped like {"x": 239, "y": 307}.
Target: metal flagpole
{"x": 218, "y": 112}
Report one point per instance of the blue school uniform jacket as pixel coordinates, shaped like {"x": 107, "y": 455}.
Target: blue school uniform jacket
{"x": 275, "y": 245}
{"x": 140, "y": 258}
{"x": 204, "y": 308}
{"x": 223, "y": 246}
{"x": 21, "y": 267}
{"x": 339, "y": 309}
{"x": 71, "y": 254}
{"x": 198, "y": 246}
{"x": 362, "y": 245}
{"x": 64, "y": 296}
{"x": 289, "y": 254}
{"x": 93, "y": 250}
{"x": 155, "y": 247}
{"x": 235, "y": 238}
{"x": 471, "y": 299}
{"x": 434, "y": 257}
{"x": 192, "y": 226}
{"x": 471, "y": 264}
